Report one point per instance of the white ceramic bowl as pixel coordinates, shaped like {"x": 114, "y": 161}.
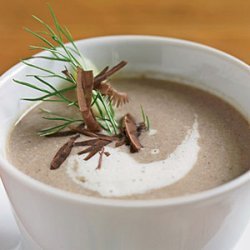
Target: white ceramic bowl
{"x": 51, "y": 219}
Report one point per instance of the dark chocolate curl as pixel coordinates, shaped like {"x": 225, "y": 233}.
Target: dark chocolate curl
{"x": 105, "y": 73}
{"x": 63, "y": 153}
{"x": 130, "y": 130}
{"x": 100, "y": 158}
{"x": 116, "y": 97}
{"x": 95, "y": 149}
{"x": 67, "y": 73}
{"x": 84, "y": 89}
{"x": 83, "y": 131}
{"x": 86, "y": 143}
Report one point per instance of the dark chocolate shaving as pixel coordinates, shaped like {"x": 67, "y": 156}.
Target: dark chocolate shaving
{"x": 94, "y": 145}
{"x": 86, "y": 132}
{"x": 105, "y": 73}
{"x": 67, "y": 73}
{"x": 121, "y": 142}
{"x": 84, "y": 89}
{"x": 117, "y": 98}
{"x": 130, "y": 130}
{"x": 63, "y": 153}
{"x": 129, "y": 136}
{"x": 83, "y": 131}
{"x": 107, "y": 137}
{"x": 98, "y": 77}
{"x": 87, "y": 150}
{"x": 107, "y": 153}
{"x": 98, "y": 143}
{"x": 141, "y": 127}
{"x": 100, "y": 158}
{"x": 96, "y": 149}
{"x": 85, "y": 143}
{"x": 92, "y": 153}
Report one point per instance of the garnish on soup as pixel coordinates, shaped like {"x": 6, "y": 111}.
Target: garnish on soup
{"x": 96, "y": 100}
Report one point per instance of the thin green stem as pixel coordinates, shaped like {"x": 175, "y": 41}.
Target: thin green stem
{"x": 52, "y": 42}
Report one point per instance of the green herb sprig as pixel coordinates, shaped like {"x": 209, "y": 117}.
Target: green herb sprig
{"x": 145, "y": 119}
{"x": 51, "y": 116}
{"x": 53, "y": 42}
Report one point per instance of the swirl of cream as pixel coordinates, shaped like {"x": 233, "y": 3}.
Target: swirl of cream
{"x": 121, "y": 175}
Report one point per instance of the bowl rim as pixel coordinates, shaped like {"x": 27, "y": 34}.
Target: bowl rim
{"x": 34, "y": 184}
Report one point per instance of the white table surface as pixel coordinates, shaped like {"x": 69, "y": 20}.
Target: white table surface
{"x": 9, "y": 234}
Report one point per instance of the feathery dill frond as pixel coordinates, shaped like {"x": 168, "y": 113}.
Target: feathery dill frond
{"x": 53, "y": 41}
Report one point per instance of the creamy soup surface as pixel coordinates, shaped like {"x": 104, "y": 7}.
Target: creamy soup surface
{"x": 200, "y": 140}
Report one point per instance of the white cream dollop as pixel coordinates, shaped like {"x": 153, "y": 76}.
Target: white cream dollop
{"x": 121, "y": 175}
